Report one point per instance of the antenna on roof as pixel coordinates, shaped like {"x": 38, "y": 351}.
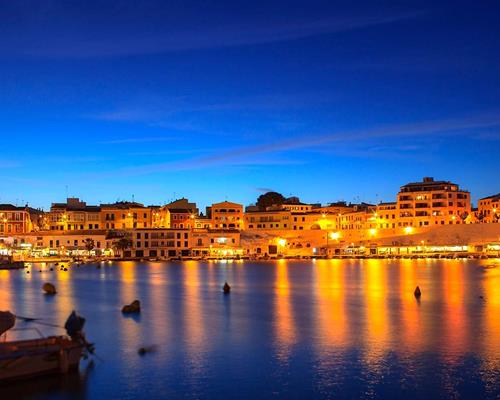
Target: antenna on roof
{"x": 133, "y": 198}
{"x": 66, "y": 187}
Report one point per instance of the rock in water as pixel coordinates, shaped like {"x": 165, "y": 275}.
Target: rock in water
{"x": 226, "y": 288}
{"x": 132, "y": 308}
{"x": 146, "y": 349}
{"x": 49, "y": 288}
{"x": 417, "y": 292}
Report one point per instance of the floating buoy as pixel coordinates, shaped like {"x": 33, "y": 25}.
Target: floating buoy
{"x": 146, "y": 349}
{"x": 52, "y": 269}
{"x": 417, "y": 292}
{"x": 65, "y": 269}
{"x": 27, "y": 272}
{"x": 49, "y": 288}
{"x": 132, "y": 308}
{"x": 226, "y": 288}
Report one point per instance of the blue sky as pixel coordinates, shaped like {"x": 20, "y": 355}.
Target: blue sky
{"x": 326, "y": 100}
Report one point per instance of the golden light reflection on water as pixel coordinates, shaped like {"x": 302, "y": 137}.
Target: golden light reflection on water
{"x": 64, "y": 301}
{"x": 412, "y": 327}
{"x": 377, "y": 331}
{"x": 455, "y": 323}
{"x": 331, "y": 316}
{"x": 129, "y": 329}
{"x": 158, "y": 295}
{"x": 285, "y": 323}
{"x": 6, "y": 291}
{"x": 194, "y": 330}
{"x": 491, "y": 316}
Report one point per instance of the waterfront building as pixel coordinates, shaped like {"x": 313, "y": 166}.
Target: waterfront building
{"x": 226, "y": 215}
{"x": 430, "y": 202}
{"x": 202, "y": 222}
{"x": 126, "y": 215}
{"x": 294, "y": 207}
{"x": 67, "y": 243}
{"x": 74, "y": 215}
{"x": 489, "y": 209}
{"x": 159, "y": 242}
{"x": 180, "y": 214}
{"x": 265, "y": 220}
{"x": 16, "y": 220}
{"x": 215, "y": 243}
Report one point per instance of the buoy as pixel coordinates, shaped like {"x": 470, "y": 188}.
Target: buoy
{"x": 132, "y": 308}
{"x": 417, "y": 292}
{"x": 226, "y": 288}
{"x": 52, "y": 269}
{"x": 146, "y": 349}
{"x": 27, "y": 272}
{"x": 49, "y": 288}
{"x": 65, "y": 269}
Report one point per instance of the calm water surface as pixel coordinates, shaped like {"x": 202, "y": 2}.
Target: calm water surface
{"x": 289, "y": 330}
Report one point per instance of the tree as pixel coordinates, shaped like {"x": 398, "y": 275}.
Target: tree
{"x": 89, "y": 245}
{"x": 122, "y": 244}
{"x": 292, "y": 200}
{"x": 269, "y": 199}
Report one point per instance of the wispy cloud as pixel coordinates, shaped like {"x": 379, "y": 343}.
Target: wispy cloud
{"x": 460, "y": 127}
{"x": 137, "y": 140}
{"x": 132, "y": 41}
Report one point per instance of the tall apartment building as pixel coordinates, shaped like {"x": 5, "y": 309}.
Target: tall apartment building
{"x": 126, "y": 215}
{"x": 431, "y": 202}
{"x": 179, "y": 214}
{"x": 226, "y": 215}
{"x": 14, "y": 220}
{"x": 74, "y": 215}
{"x": 489, "y": 209}
{"x": 159, "y": 242}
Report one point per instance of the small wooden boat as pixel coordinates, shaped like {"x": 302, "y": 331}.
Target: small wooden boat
{"x": 8, "y": 263}
{"x": 28, "y": 358}
{"x": 51, "y": 355}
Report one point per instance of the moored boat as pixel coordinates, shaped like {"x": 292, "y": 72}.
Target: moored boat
{"x": 47, "y": 355}
{"x": 8, "y": 263}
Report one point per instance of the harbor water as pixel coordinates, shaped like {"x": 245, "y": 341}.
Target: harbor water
{"x": 325, "y": 329}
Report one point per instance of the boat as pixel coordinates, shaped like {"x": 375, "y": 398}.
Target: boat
{"x": 24, "y": 359}
{"x": 7, "y": 263}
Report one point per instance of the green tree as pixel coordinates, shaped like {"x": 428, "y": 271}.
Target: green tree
{"x": 270, "y": 199}
{"x": 122, "y": 244}
{"x": 89, "y": 245}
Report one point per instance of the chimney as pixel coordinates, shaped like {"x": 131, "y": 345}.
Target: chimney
{"x": 428, "y": 179}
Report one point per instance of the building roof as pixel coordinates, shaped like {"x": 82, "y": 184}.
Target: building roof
{"x": 11, "y": 207}
{"x": 492, "y": 197}
{"x": 227, "y": 203}
{"x": 64, "y": 206}
{"x": 123, "y": 205}
{"x": 180, "y": 211}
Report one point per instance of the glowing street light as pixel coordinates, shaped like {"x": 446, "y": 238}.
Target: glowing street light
{"x": 335, "y": 235}
{"x": 408, "y": 230}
